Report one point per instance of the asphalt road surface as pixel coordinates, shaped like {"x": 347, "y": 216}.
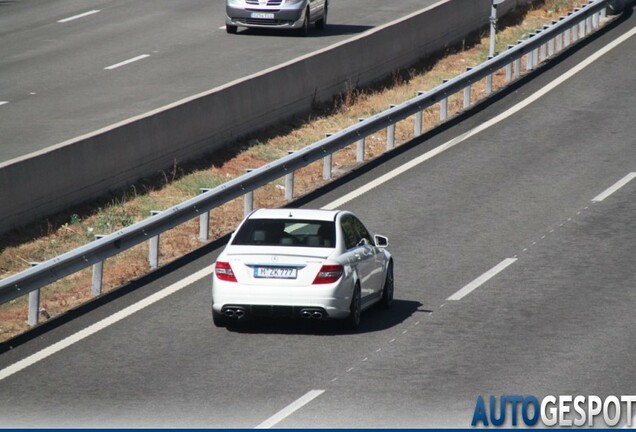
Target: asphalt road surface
{"x": 70, "y": 67}
{"x": 514, "y": 275}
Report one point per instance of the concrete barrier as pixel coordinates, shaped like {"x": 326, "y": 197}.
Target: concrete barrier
{"x": 76, "y": 171}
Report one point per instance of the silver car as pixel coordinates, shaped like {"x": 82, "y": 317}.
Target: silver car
{"x": 280, "y": 14}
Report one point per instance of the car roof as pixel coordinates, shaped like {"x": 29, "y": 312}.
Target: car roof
{"x": 304, "y": 214}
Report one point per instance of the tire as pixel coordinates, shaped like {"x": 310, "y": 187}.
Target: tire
{"x": 389, "y": 286}
{"x": 322, "y": 22}
{"x": 218, "y": 319}
{"x": 352, "y": 322}
{"x": 231, "y": 29}
{"x": 304, "y": 30}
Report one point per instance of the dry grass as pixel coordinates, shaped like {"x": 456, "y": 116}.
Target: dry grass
{"x": 47, "y": 240}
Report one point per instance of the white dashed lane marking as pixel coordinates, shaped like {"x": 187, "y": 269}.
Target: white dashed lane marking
{"x": 75, "y": 17}
{"x": 125, "y": 62}
{"x": 482, "y": 279}
{"x": 619, "y": 184}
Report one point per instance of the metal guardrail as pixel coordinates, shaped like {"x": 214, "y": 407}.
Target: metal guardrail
{"x": 540, "y": 46}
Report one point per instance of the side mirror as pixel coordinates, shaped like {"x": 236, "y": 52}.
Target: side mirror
{"x": 381, "y": 241}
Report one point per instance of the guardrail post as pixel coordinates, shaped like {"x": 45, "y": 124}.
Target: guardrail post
{"x": 559, "y": 39}
{"x": 572, "y": 30}
{"x": 517, "y": 67}
{"x": 542, "y": 50}
{"x": 204, "y": 220}
{"x": 581, "y": 26}
{"x": 289, "y": 182}
{"x": 530, "y": 57}
{"x": 509, "y": 68}
{"x": 153, "y": 247}
{"x": 535, "y": 57}
{"x": 574, "y": 33}
{"x": 360, "y": 146}
{"x": 326, "y": 164}
{"x": 566, "y": 35}
{"x": 443, "y": 106}
{"x": 98, "y": 274}
{"x": 550, "y": 43}
{"x": 34, "y": 304}
{"x": 248, "y": 204}
{"x": 390, "y": 133}
{"x": 417, "y": 128}
{"x": 489, "y": 81}
{"x": 467, "y": 90}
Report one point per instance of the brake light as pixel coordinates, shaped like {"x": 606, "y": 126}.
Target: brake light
{"x": 329, "y": 274}
{"x": 224, "y": 272}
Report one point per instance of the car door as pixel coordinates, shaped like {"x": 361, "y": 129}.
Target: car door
{"x": 316, "y": 8}
{"x": 375, "y": 259}
{"x": 358, "y": 255}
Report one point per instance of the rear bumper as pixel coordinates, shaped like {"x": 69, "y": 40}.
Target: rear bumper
{"x": 307, "y": 312}
{"x": 334, "y": 300}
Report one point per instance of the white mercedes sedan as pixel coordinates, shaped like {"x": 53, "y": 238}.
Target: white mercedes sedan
{"x": 311, "y": 264}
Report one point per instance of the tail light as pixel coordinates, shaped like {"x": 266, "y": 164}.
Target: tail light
{"x": 329, "y": 274}
{"x": 224, "y": 272}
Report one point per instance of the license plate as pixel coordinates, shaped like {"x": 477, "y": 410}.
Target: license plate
{"x": 262, "y": 15}
{"x": 275, "y": 273}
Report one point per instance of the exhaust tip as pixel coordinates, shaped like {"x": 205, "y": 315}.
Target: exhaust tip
{"x": 312, "y": 314}
{"x": 234, "y": 312}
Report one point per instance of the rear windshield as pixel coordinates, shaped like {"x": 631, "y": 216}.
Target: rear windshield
{"x": 283, "y": 232}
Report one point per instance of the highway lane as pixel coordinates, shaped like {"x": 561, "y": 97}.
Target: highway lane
{"x": 558, "y": 320}
{"x": 54, "y": 75}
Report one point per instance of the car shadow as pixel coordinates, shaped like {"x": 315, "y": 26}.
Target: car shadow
{"x": 373, "y": 320}
{"x": 330, "y": 30}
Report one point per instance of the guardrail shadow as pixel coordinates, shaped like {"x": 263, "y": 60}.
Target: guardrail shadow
{"x": 374, "y": 319}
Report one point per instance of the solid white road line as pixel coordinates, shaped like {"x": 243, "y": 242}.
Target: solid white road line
{"x": 4, "y": 102}
{"x": 85, "y": 14}
{"x": 482, "y": 279}
{"x": 88, "y": 331}
{"x": 290, "y": 409}
{"x": 619, "y": 184}
{"x": 125, "y": 62}
{"x": 504, "y": 115}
